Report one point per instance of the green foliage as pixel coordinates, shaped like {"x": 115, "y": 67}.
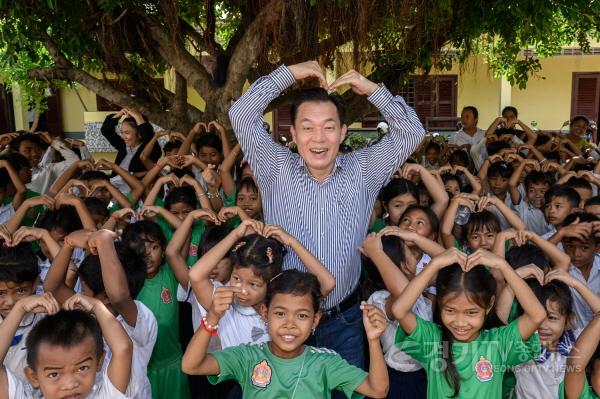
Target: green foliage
{"x": 356, "y": 141}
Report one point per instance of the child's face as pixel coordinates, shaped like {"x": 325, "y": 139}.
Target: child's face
{"x": 578, "y": 128}
{"x": 424, "y": 199}
{"x": 462, "y": 317}
{"x": 481, "y": 239}
{"x": 581, "y": 252}
{"x": 171, "y": 152}
{"x": 25, "y": 175}
{"x": 222, "y": 271}
{"x": 557, "y": 210}
{"x": 254, "y": 288}
{"x": 57, "y": 235}
{"x": 154, "y": 254}
{"x": 584, "y": 193}
{"x": 593, "y": 209}
{"x": 290, "y": 318}
{"x": 100, "y": 192}
{"x": 433, "y": 156}
{"x": 418, "y": 222}
{"x": 535, "y": 194}
{"x": 452, "y": 187}
{"x": 553, "y": 326}
{"x": 249, "y": 201}
{"x": 397, "y": 206}
{"x": 181, "y": 209}
{"x": 31, "y": 151}
{"x": 498, "y": 184}
{"x": 210, "y": 155}
{"x": 65, "y": 372}
{"x": 11, "y": 292}
{"x": 509, "y": 115}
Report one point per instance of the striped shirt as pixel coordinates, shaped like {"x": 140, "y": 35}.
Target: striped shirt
{"x": 329, "y": 218}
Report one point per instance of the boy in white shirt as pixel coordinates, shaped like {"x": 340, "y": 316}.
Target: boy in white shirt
{"x": 113, "y": 278}
{"x": 529, "y": 207}
{"x": 65, "y": 350}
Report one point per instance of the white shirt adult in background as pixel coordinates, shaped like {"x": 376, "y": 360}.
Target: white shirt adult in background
{"x": 469, "y": 134}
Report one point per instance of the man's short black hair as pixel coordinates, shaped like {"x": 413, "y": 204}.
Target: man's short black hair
{"x": 64, "y": 329}
{"x": 18, "y": 264}
{"x": 562, "y": 191}
{"x": 502, "y": 169}
{"x": 89, "y": 175}
{"x": 472, "y": 109}
{"x": 318, "y": 95}
{"x": 578, "y": 182}
{"x": 495, "y": 147}
{"x": 209, "y": 140}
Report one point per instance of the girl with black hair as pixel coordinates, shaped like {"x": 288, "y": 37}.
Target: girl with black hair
{"x": 462, "y": 355}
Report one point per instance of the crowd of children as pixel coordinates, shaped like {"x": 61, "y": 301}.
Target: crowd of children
{"x": 156, "y": 277}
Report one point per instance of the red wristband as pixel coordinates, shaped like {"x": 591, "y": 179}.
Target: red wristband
{"x": 208, "y": 328}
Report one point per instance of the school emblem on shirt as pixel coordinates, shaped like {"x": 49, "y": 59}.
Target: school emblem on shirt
{"x": 484, "y": 370}
{"x": 261, "y": 374}
{"x": 166, "y": 296}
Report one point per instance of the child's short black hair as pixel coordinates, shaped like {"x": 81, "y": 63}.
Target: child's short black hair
{"x": 35, "y": 139}
{"x": 297, "y": 283}
{"x": 583, "y": 217}
{"x": 495, "y": 147}
{"x": 171, "y": 145}
{"x": 432, "y": 145}
{"x": 209, "y": 140}
{"x": 96, "y": 207}
{"x": 393, "y": 247}
{"x": 398, "y": 187}
{"x": 579, "y": 118}
{"x": 578, "y": 182}
{"x": 527, "y": 254}
{"x": 18, "y": 264}
{"x": 16, "y": 160}
{"x": 64, "y": 329}
{"x": 135, "y": 235}
{"x": 64, "y": 218}
{"x": 583, "y": 166}
{"x": 185, "y": 194}
{"x": 133, "y": 264}
{"x": 248, "y": 183}
{"x": 510, "y": 108}
{"x": 502, "y": 169}
{"x": 447, "y": 177}
{"x": 555, "y": 291}
{"x": 211, "y": 237}
{"x": 562, "y": 191}
{"x": 478, "y": 221}
{"x": 595, "y": 200}
{"x": 93, "y": 175}
{"x": 459, "y": 157}
{"x": 537, "y": 177}
{"x": 263, "y": 255}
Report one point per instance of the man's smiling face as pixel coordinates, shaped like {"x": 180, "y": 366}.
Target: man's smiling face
{"x": 318, "y": 133}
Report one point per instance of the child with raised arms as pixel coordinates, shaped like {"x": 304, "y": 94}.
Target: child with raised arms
{"x": 284, "y": 366}
{"x": 462, "y": 356}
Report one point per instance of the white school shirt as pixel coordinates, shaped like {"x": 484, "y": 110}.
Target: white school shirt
{"x": 143, "y": 336}
{"x": 583, "y": 313}
{"x": 198, "y": 312}
{"x": 241, "y": 325}
{"x": 16, "y": 357}
{"x": 393, "y": 356}
{"x": 44, "y": 266}
{"x": 479, "y": 150}
{"x": 104, "y": 389}
{"x": 540, "y": 380}
{"x": 7, "y": 211}
{"x": 460, "y": 137}
{"x": 44, "y": 174}
{"x": 425, "y": 259}
{"x": 549, "y": 235}
{"x": 533, "y": 217}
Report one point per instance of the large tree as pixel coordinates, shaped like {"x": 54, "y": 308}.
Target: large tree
{"x": 87, "y": 41}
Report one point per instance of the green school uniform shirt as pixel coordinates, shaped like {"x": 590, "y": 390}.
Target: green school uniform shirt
{"x": 159, "y": 294}
{"x": 378, "y": 225}
{"x": 480, "y": 363}
{"x": 313, "y": 374}
{"x": 32, "y": 213}
{"x": 198, "y": 229}
{"x": 586, "y": 393}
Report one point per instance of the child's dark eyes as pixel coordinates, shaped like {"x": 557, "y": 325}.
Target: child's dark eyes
{"x": 303, "y": 316}
{"x": 279, "y": 314}
{"x": 84, "y": 368}
{"x": 52, "y": 375}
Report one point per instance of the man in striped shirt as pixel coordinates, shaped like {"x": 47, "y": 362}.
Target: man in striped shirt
{"x": 319, "y": 196}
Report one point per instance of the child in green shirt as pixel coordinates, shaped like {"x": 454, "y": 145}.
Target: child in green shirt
{"x": 462, "y": 358}
{"x": 284, "y": 366}
{"x": 584, "y": 365}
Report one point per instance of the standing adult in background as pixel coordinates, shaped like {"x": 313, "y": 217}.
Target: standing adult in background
{"x": 322, "y": 198}
{"x": 469, "y": 134}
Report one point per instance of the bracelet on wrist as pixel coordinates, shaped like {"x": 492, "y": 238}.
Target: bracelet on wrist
{"x": 209, "y": 328}
{"x": 213, "y": 195}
